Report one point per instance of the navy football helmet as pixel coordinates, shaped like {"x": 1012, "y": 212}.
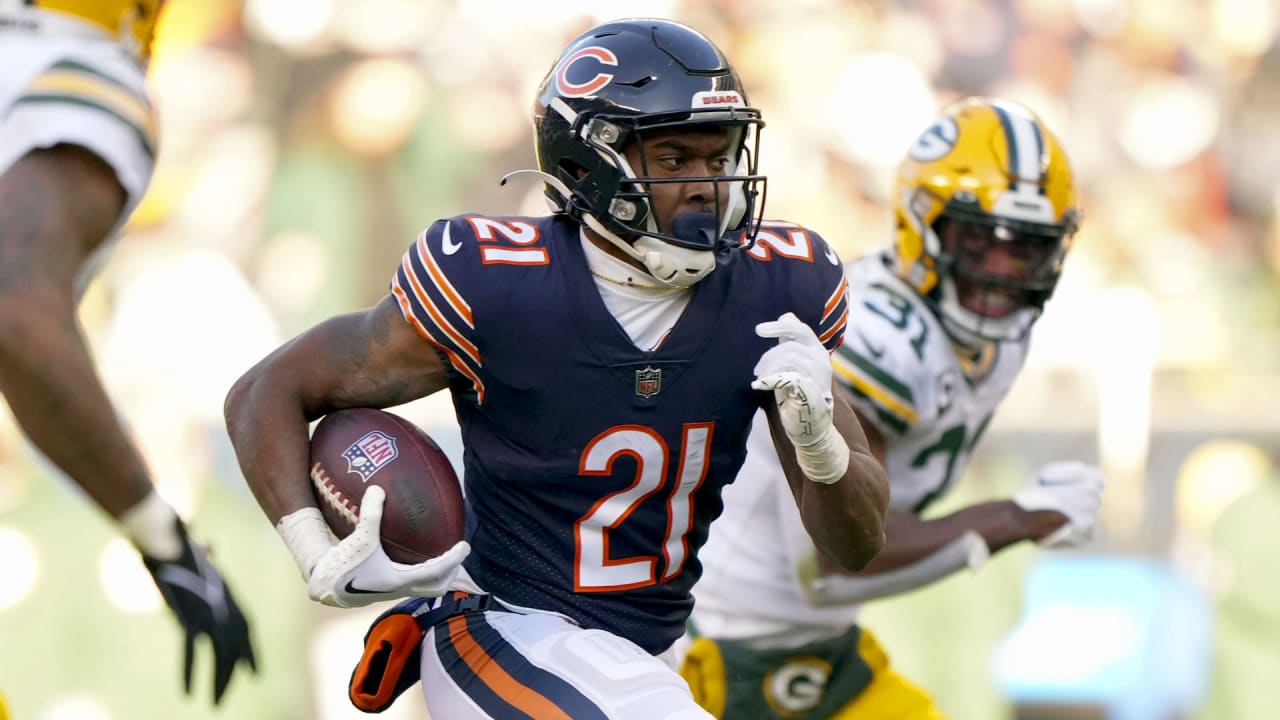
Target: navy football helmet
{"x": 612, "y": 84}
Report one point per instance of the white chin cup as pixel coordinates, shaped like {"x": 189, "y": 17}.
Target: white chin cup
{"x": 673, "y": 265}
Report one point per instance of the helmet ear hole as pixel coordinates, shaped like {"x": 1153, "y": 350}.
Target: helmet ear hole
{"x": 573, "y": 169}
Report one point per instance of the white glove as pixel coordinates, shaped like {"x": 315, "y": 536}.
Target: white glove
{"x": 356, "y": 571}
{"x": 1071, "y": 488}
{"x": 798, "y": 371}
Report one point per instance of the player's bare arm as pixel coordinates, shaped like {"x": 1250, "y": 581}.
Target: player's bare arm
{"x": 56, "y": 206}
{"x": 371, "y": 358}
{"x": 1000, "y": 523}
{"x": 910, "y": 539}
{"x": 845, "y": 519}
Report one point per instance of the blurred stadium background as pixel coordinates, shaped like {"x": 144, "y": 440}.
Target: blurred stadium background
{"x": 305, "y": 142}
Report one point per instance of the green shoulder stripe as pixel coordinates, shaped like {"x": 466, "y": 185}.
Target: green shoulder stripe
{"x": 52, "y": 98}
{"x": 885, "y": 416}
{"x": 73, "y": 66}
{"x": 867, "y": 380}
{"x": 874, "y": 372}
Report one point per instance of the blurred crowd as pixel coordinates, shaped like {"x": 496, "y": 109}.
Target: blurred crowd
{"x": 305, "y": 143}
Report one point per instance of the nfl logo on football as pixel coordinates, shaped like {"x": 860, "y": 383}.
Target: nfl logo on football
{"x": 370, "y": 454}
{"x": 648, "y": 382}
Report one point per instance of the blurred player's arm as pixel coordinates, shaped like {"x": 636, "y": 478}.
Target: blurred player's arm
{"x": 918, "y": 552}
{"x": 57, "y": 205}
{"x": 371, "y": 358}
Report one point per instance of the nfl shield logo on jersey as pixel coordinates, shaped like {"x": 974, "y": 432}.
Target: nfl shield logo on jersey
{"x": 370, "y": 454}
{"x": 648, "y": 382}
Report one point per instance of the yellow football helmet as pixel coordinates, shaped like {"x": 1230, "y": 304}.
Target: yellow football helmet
{"x": 984, "y": 211}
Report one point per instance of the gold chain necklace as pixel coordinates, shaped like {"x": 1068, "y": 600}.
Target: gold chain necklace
{"x": 630, "y": 284}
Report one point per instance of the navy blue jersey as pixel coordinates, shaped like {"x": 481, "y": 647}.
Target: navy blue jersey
{"x": 592, "y": 468}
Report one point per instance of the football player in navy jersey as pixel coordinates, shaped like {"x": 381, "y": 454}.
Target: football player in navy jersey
{"x": 605, "y": 362}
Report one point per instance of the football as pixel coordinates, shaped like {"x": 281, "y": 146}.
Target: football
{"x": 352, "y": 449}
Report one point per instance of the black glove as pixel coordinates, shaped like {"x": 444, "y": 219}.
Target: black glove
{"x": 203, "y": 604}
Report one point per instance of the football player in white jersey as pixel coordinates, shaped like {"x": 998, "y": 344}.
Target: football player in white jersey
{"x": 939, "y": 327}
{"x": 77, "y": 148}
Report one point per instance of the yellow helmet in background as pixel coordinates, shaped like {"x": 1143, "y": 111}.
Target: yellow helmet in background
{"x": 132, "y": 22}
{"x": 984, "y": 211}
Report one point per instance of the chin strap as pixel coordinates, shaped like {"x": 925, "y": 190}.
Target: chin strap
{"x": 675, "y": 266}
{"x": 670, "y": 265}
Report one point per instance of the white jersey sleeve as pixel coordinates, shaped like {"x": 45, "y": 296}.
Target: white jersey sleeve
{"x": 76, "y": 89}
{"x": 883, "y": 362}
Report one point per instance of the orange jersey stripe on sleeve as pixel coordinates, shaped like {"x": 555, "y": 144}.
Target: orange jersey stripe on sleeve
{"x": 438, "y": 277}
{"x": 458, "y": 363}
{"x": 434, "y": 315}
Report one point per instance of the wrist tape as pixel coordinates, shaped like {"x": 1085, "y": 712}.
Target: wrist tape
{"x": 307, "y": 536}
{"x": 826, "y": 459}
{"x": 151, "y": 526}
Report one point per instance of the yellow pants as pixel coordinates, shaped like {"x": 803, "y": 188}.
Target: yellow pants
{"x": 4, "y": 709}
{"x": 886, "y": 694}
